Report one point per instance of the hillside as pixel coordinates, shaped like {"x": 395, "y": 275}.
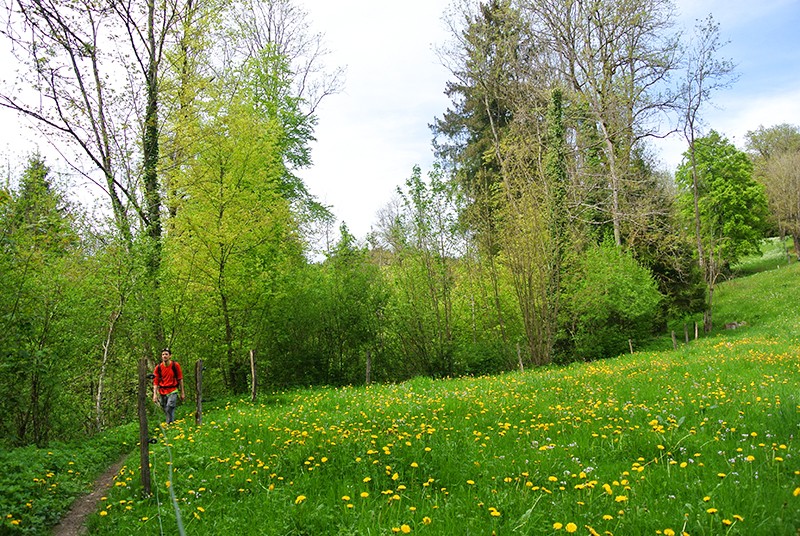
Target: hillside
{"x": 701, "y": 440}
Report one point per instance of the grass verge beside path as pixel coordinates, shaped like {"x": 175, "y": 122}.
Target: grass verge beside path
{"x": 37, "y": 486}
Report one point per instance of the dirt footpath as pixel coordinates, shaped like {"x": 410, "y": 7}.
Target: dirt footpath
{"x": 73, "y": 522}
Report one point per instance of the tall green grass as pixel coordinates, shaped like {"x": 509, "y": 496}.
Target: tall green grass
{"x": 702, "y": 441}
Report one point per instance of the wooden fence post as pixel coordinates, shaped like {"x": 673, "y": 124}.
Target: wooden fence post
{"x": 253, "y": 382}
{"x": 144, "y": 441}
{"x": 198, "y": 389}
{"x": 630, "y": 345}
{"x": 674, "y": 341}
{"x": 686, "y": 333}
{"x": 369, "y": 366}
{"x": 519, "y": 359}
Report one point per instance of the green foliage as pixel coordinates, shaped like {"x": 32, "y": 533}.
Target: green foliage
{"x": 326, "y": 319}
{"x": 37, "y": 289}
{"x": 420, "y": 313}
{"x": 732, "y": 205}
{"x": 235, "y": 231}
{"x": 608, "y": 299}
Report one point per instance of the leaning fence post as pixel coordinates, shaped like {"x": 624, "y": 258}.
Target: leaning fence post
{"x": 674, "y": 341}
{"x": 198, "y": 387}
{"x": 143, "y": 439}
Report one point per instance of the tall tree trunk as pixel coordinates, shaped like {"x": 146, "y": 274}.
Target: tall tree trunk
{"x": 150, "y": 163}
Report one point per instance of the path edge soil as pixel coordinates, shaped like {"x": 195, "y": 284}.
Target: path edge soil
{"x": 74, "y": 521}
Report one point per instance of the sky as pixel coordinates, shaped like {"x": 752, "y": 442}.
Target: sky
{"x": 371, "y": 135}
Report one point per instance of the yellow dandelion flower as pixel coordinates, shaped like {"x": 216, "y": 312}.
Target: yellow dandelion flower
{"x": 426, "y": 520}
{"x": 201, "y": 508}
{"x": 712, "y": 510}
{"x": 405, "y": 529}
{"x": 706, "y": 498}
{"x": 621, "y": 498}
{"x": 557, "y": 525}
{"x": 104, "y": 513}
{"x": 796, "y": 492}
{"x": 470, "y": 482}
{"x": 669, "y": 532}
{"x": 727, "y": 522}
{"x": 345, "y": 498}
{"x": 364, "y": 494}
{"x": 571, "y": 527}
{"x": 366, "y": 479}
{"x": 737, "y": 517}
{"x": 299, "y": 499}
{"x": 607, "y": 517}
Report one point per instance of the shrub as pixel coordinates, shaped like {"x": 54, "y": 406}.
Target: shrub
{"x": 608, "y": 299}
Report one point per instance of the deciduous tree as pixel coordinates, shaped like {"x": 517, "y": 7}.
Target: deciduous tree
{"x": 718, "y": 186}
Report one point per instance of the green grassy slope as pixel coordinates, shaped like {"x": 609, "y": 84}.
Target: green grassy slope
{"x": 702, "y": 441}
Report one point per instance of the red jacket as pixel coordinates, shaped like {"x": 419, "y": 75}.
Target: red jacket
{"x": 165, "y": 377}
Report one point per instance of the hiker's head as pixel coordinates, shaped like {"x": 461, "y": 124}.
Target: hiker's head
{"x": 165, "y": 354}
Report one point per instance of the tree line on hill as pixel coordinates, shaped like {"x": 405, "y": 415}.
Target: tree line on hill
{"x": 544, "y": 234}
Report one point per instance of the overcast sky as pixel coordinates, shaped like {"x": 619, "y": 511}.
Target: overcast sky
{"x": 371, "y": 135}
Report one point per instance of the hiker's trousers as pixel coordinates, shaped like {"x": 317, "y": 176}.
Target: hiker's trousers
{"x": 168, "y": 403}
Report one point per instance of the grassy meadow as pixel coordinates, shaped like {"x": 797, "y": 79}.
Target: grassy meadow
{"x": 698, "y": 441}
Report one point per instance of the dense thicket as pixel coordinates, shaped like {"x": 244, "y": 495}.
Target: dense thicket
{"x": 545, "y": 232}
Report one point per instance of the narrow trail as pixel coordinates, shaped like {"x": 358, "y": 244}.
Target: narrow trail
{"x": 74, "y": 522}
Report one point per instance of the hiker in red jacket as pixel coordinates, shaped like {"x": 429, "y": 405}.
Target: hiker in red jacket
{"x": 168, "y": 377}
